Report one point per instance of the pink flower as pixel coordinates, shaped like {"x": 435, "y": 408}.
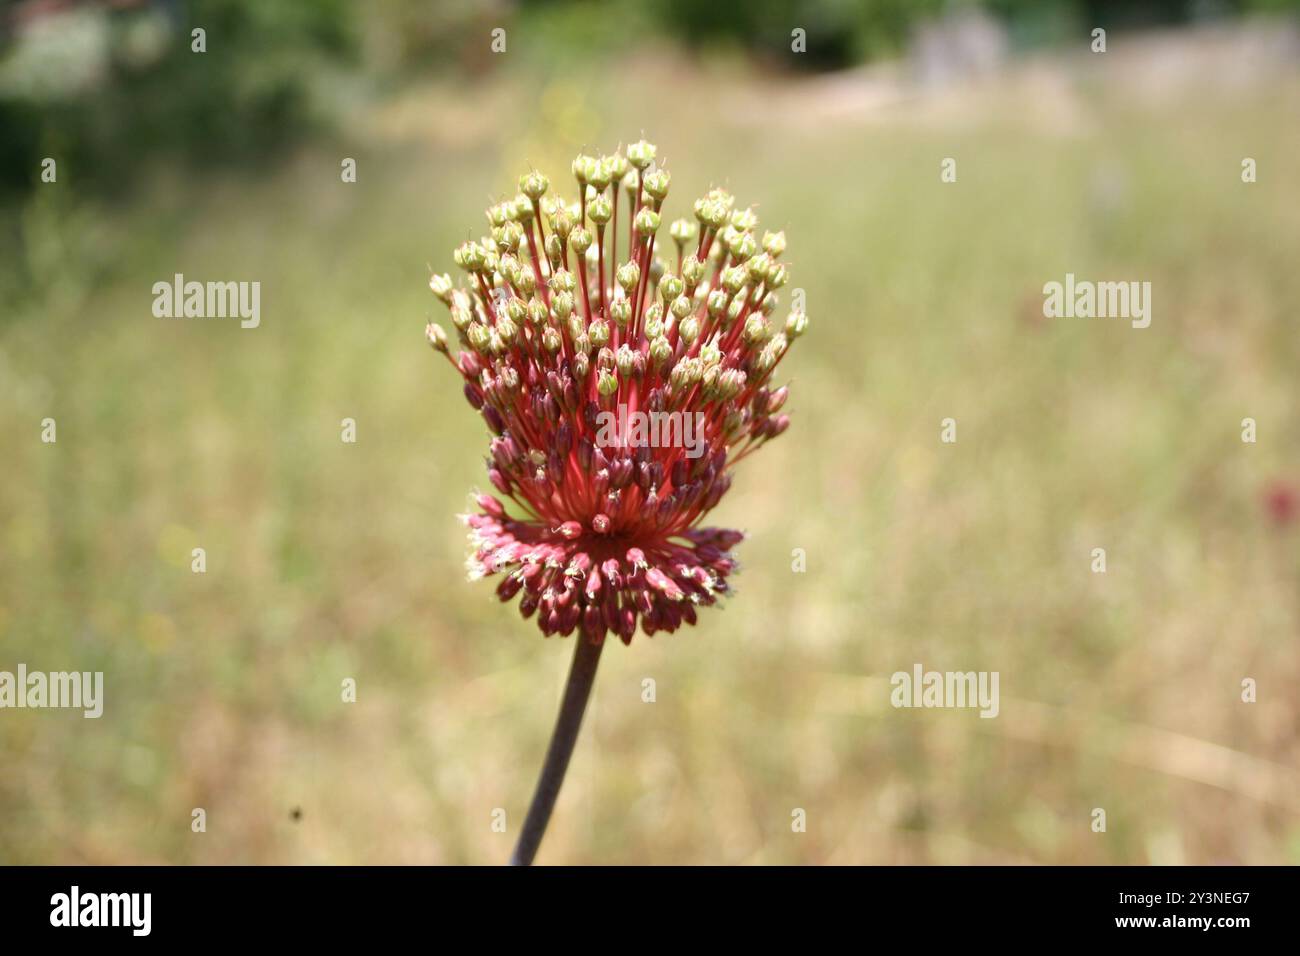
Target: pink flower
{"x": 619, "y": 397}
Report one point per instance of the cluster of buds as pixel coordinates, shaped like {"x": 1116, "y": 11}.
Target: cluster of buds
{"x": 553, "y": 330}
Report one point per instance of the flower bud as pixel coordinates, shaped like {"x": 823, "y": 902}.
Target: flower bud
{"x": 524, "y": 209}
{"x": 607, "y": 384}
{"x": 436, "y": 336}
{"x": 598, "y": 332}
{"x": 647, "y": 222}
{"x": 581, "y": 239}
{"x": 682, "y": 307}
{"x": 756, "y": 330}
{"x": 599, "y": 209}
{"x": 660, "y": 350}
{"x": 533, "y": 185}
{"x": 441, "y": 286}
{"x": 620, "y": 310}
{"x": 692, "y": 271}
{"x": 641, "y": 154}
{"x": 689, "y": 328}
{"x": 628, "y": 274}
{"x": 584, "y": 167}
{"x": 656, "y": 184}
{"x": 796, "y": 324}
{"x": 670, "y": 287}
{"x": 683, "y": 230}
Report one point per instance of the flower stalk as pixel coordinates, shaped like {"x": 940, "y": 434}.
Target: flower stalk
{"x": 577, "y": 691}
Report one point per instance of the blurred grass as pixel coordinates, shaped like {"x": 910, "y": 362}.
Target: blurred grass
{"x": 328, "y": 560}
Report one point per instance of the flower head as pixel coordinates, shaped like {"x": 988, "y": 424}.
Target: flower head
{"x": 619, "y": 393}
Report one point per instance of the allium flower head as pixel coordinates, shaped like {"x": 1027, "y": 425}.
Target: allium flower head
{"x": 619, "y": 389}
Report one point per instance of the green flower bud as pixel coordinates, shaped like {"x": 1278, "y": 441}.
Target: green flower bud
{"x": 607, "y": 384}
{"x": 641, "y": 154}
{"x": 774, "y": 243}
{"x": 533, "y": 185}
{"x": 500, "y": 213}
{"x": 617, "y": 167}
{"x": 757, "y": 266}
{"x": 683, "y": 231}
{"x": 682, "y": 307}
{"x": 436, "y": 336}
{"x": 742, "y": 245}
{"x": 562, "y": 306}
{"x": 584, "y": 167}
{"x": 717, "y": 302}
{"x": 508, "y": 236}
{"x": 744, "y": 219}
{"x": 689, "y": 329}
{"x": 796, "y": 324}
{"x": 552, "y": 340}
{"x": 627, "y": 276}
{"x": 562, "y": 222}
{"x": 756, "y": 330}
{"x": 654, "y": 321}
{"x": 516, "y": 311}
{"x": 656, "y": 184}
{"x": 554, "y": 251}
{"x": 599, "y": 209}
{"x": 598, "y": 332}
{"x": 660, "y": 350}
{"x": 527, "y": 281}
{"x": 478, "y": 336}
{"x": 524, "y": 208}
{"x": 603, "y": 173}
{"x": 777, "y": 276}
{"x": 575, "y": 326}
{"x": 647, "y": 222}
{"x": 537, "y": 313}
{"x": 625, "y": 359}
{"x": 620, "y": 310}
{"x": 731, "y": 383}
{"x": 710, "y": 354}
{"x": 461, "y": 317}
{"x": 733, "y": 279}
{"x": 722, "y": 198}
{"x": 769, "y": 303}
{"x": 581, "y": 239}
{"x": 562, "y": 281}
{"x": 709, "y": 381}
{"x": 692, "y": 271}
{"x": 506, "y": 329}
{"x": 686, "y": 373}
{"x": 470, "y": 256}
{"x": 670, "y": 287}
{"x": 442, "y": 286}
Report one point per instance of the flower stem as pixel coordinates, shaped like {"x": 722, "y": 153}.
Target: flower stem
{"x": 576, "y": 691}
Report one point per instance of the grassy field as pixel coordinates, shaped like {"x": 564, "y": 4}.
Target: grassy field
{"x": 328, "y": 560}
